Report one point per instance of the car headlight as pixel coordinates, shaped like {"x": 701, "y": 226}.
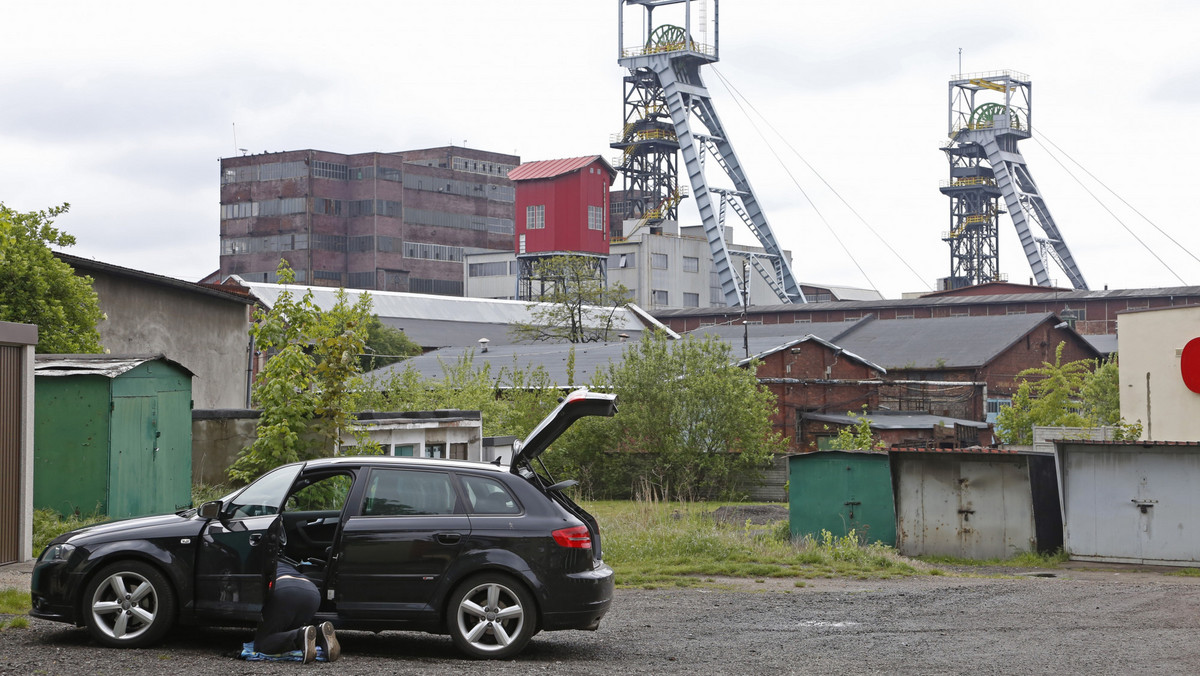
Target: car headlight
{"x": 59, "y": 552}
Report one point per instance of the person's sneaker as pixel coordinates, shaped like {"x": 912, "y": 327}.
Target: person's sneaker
{"x": 309, "y": 644}
{"x": 328, "y": 641}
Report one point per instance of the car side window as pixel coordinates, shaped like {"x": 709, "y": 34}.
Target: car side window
{"x": 324, "y": 494}
{"x": 398, "y": 492}
{"x": 488, "y": 496}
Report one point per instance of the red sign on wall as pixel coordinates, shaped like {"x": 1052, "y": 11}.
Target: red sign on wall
{"x": 1189, "y": 365}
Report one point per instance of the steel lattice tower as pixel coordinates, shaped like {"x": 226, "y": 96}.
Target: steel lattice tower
{"x": 989, "y": 114}
{"x": 667, "y": 107}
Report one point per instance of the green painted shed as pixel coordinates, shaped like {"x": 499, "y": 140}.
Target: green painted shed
{"x": 112, "y": 434}
{"x": 840, "y": 491}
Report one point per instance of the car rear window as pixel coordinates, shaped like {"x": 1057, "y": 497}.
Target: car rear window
{"x": 488, "y": 496}
{"x": 398, "y": 492}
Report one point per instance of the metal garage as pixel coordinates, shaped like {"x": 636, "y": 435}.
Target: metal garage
{"x": 1131, "y": 502}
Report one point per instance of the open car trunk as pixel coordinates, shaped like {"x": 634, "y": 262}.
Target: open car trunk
{"x": 578, "y": 404}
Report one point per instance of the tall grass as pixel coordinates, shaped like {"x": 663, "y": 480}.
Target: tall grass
{"x": 652, "y": 544}
{"x": 49, "y": 524}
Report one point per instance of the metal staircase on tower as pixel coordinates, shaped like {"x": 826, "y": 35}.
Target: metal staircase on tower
{"x": 989, "y": 114}
{"x": 668, "y": 109}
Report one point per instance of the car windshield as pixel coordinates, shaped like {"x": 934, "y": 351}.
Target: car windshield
{"x": 265, "y": 495}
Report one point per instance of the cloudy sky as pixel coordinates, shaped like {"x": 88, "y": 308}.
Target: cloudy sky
{"x": 123, "y": 109}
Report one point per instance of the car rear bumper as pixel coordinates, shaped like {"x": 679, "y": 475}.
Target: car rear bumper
{"x": 583, "y": 600}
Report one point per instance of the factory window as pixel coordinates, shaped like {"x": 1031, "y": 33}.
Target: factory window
{"x": 535, "y": 217}
{"x": 658, "y": 261}
{"x": 330, "y": 170}
{"x": 658, "y": 297}
{"x": 691, "y": 299}
{"x": 432, "y": 252}
{"x": 494, "y": 269}
{"x": 691, "y": 264}
{"x": 595, "y": 218}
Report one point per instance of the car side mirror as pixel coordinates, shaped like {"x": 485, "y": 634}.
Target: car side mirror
{"x": 210, "y": 510}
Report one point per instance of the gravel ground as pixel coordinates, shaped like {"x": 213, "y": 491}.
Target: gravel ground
{"x": 1098, "y": 620}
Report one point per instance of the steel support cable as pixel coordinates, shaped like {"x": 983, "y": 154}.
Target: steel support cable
{"x": 799, "y": 187}
{"x": 1110, "y": 211}
{"x": 737, "y": 94}
{"x": 1114, "y": 193}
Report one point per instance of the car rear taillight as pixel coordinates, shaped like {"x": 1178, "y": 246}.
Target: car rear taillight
{"x": 575, "y": 538}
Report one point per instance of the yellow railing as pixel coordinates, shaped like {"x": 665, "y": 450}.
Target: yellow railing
{"x": 967, "y": 182}
{"x": 707, "y": 50}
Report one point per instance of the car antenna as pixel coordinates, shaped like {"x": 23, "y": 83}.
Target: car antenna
{"x": 496, "y": 462}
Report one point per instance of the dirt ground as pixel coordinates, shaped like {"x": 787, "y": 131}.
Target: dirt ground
{"x": 1075, "y": 619}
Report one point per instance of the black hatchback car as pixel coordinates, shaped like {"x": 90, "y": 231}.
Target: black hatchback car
{"x": 488, "y": 554}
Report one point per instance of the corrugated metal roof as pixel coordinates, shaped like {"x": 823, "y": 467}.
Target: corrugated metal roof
{"x": 896, "y": 421}
{"x": 864, "y": 305}
{"x": 949, "y": 342}
{"x": 550, "y": 168}
{"x": 555, "y": 358}
{"x": 973, "y": 450}
{"x": 106, "y": 365}
{"x": 946, "y": 342}
{"x": 1146, "y": 444}
{"x": 445, "y": 321}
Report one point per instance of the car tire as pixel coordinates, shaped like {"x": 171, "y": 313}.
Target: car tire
{"x": 128, "y": 604}
{"x": 491, "y": 616}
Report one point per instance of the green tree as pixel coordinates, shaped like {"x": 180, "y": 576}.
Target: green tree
{"x": 385, "y": 345}
{"x": 305, "y": 389}
{"x": 857, "y": 436}
{"x": 573, "y": 303}
{"x": 1101, "y": 393}
{"x": 1064, "y": 395}
{"x": 38, "y": 288}
{"x": 692, "y": 424}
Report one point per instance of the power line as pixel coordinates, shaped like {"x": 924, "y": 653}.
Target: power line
{"x": 737, "y": 94}
{"x": 1114, "y": 194}
{"x": 1105, "y": 207}
{"x": 801, "y": 189}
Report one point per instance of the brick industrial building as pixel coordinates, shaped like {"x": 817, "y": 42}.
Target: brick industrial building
{"x": 397, "y": 221}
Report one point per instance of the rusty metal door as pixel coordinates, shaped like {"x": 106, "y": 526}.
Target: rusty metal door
{"x": 962, "y": 505}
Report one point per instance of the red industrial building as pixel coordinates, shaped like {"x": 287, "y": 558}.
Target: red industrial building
{"x": 562, "y": 205}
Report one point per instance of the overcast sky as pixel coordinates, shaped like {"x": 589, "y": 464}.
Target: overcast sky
{"x": 123, "y": 109}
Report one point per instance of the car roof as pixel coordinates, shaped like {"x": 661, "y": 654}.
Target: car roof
{"x": 392, "y": 461}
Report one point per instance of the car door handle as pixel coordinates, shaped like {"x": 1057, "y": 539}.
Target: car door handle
{"x": 255, "y": 538}
{"x": 449, "y": 538}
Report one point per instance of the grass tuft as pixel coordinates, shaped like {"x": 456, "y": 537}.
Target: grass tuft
{"x": 1186, "y": 572}
{"x": 14, "y": 602}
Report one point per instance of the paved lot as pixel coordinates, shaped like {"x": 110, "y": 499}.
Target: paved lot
{"x": 1108, "y": 620}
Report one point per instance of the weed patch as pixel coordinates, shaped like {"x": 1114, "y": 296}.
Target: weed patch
{"x": 654, "y": 544}
{"x": 14, "y": 602}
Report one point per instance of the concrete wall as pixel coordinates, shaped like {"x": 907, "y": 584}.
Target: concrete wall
{"x": 1152, "y": 389}
{"x": 217, "y": 438}
{"x": 206, "y": 334}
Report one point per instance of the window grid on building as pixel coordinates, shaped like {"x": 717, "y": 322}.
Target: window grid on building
{"x": 338, "y": 172}
{"x": 659, "y": 297}
{"x": 433, "y": 252}
{"x": 535, "y": 217}
{"x": 595, "y": 218}
{"x": 691, "y": 264}
{"x": 691, "y": 299}
{"x": 658, "y": 261}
